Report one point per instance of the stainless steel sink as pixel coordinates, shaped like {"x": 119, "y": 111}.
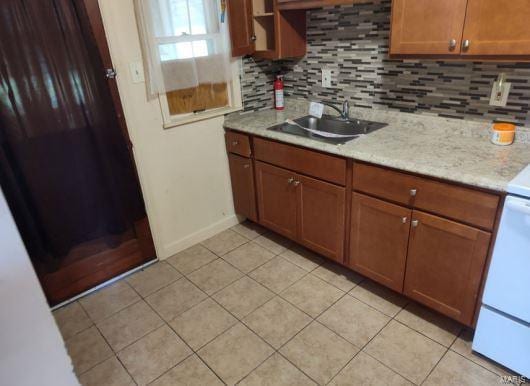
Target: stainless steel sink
{"x": 329, "y": 124}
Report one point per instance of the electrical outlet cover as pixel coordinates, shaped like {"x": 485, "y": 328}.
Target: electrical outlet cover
{"x": 326, "y": 77}
{"x": 500, "y": 97}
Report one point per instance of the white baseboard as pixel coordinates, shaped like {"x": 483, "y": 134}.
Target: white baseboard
{"x": 201, "y": 235}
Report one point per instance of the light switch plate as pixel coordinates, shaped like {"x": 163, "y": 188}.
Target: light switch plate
{"x": 499, "y": 96}
{"x": 326, "y": 77}
{"x": 137, "y": 72}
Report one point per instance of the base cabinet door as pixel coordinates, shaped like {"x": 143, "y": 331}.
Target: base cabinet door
{"x": 321, "y": 216}
{"x": 445, "y": 265}
{"x": 242, "y": 177}
{"x": 379, "y": 240}
{"x": 277, "y": 199}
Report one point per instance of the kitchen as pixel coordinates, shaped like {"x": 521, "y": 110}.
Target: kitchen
{"x": 365, "y": 256}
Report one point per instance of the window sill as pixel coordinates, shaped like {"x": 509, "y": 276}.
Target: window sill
{"x": 173, "y": 122}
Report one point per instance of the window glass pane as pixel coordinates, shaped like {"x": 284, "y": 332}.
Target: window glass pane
{"x": 200, "y": 48}
{"x": 197, "y": 17}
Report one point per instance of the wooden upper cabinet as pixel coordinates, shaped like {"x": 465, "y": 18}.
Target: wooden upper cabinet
{"x": 427, "y": 27}
{"x": 242, "y": 177}
{"x": 260, "y": 28}
{"x": 495, "y": 27}
{"x": 277, "y": 199}
{"x": 379, "y": 240}
{"x": 240, "y": 25}
{"x": 445, "y": 265}
{"x": 321, "y": 216}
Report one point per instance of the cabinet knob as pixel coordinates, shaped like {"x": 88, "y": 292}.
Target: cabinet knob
{"x": 246, "y": 166}
{"x": 415, "y": 223}
{"x": 296, "y": 183}
{"x": 290, "y": 180}
{"x": 253, "y": 38}
{"x": 413, "y": 192}
{"x": 465, "y": 44}
{"x": 404, "y": 220}
{"x": 235, "y": 143}
{"x": 452, "y": 44}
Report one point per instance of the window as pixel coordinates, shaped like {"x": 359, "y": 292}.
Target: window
{"x": 191, "y": 68}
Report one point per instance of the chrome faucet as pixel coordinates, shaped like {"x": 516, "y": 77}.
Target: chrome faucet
{"x": 344, "y": 113}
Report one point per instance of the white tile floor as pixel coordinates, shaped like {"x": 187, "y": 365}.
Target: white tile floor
{"x": 252, "y": 308}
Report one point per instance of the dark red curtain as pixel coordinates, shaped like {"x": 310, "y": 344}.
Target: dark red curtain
{"x": 64, "y": 165}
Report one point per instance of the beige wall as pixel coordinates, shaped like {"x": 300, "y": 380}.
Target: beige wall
{"x": 183, "y": 170}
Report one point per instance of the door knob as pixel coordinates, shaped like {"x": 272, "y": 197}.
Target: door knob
{"x": 413, "y": 192}
{"x": 415, "y": 223}
{"x": 452, "y": 44}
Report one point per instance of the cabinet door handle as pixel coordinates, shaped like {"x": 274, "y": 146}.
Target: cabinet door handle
{"x": 413, "y": 192}
{"x": 296, "y": 183}
{"x": 465, "y": 44}
{"x": 404, "y": 220}
{"x": 452, "y": 44}
{"x": 235, "y": 143}
{"x": 246, "y": 166}
{"x": 415, "y": 223}
{"x": 290, "y": 180}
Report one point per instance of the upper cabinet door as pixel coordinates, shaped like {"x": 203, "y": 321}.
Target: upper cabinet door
{"x": 495, "y": 27}
{"x": 240, "y": 24}
{"x": 321, "y": 216}
{"x": 427, "y": 27}
{"x": 277, "y": 201}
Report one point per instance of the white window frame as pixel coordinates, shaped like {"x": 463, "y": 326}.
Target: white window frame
{"x": 235, "y": 102}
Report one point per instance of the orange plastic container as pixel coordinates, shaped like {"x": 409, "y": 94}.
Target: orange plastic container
{"x": 503, "y": 134}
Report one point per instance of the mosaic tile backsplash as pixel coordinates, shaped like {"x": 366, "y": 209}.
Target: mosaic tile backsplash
{"x": 353, "y": 41}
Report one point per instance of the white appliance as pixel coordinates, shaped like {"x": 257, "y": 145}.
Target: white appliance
{"x": 503, "y": 329}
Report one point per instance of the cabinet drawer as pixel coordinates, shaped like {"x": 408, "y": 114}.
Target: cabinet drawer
{"x": 312, "y": 163}
{"x": 384, "y": 183}
{"x": 237, "y": 143}
{"x": 467, "y": 205}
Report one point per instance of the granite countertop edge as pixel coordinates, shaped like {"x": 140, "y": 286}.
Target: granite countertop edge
{"x": 469, "y": 138}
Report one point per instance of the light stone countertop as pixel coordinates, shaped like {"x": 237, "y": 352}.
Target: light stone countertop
{"x": 449, "y": 149}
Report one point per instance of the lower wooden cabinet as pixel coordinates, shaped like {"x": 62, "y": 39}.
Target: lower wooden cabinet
{"x": 379, "y": 240}
{"x": 277, "y": 199}
{"x": 303, "y": 209}
{"x": 321, "y": 217}
{"x": 242, "y": 177}
{"x": 445, "y": 265}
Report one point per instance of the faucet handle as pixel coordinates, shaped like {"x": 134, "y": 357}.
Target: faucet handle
{"x": 346, "y": 110}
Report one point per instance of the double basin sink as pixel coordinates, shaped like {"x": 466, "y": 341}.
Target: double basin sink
{"x": 328, "y": 129}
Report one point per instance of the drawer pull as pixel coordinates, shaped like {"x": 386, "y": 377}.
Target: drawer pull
{"x": 413, "y": 192}
{"x": 415, "y": 223}
{"x": 235, "y": 143}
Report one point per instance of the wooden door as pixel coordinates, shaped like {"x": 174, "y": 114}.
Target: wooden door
{"x": 427, "y": 27}
{"x": 277, "y": 201}
{"x": 321, "y": 216}
{"x": 379, "y": 240}
{"x": 242, "y": 177}
{"x": 445, "y": 265}
{"x": 240, "y": 22}
{"x": 496, "y": 27}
